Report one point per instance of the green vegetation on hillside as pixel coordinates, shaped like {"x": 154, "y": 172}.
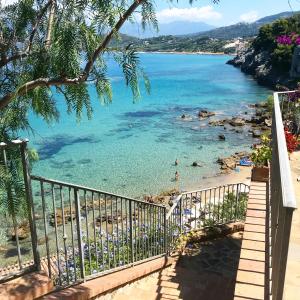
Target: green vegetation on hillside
{"x": 278, "y": 40}
{"x": 182, "y": 44}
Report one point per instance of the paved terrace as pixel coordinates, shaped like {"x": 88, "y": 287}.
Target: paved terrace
{"x": 292, "y": 282}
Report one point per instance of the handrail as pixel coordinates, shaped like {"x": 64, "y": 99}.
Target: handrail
{"x": 282, "y": 200}
{"x": 288, "y": 192}
{"x": 72, "y": 185}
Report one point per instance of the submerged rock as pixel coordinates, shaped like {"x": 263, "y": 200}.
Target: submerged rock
{"x": 196, "y": 164}
{"x": 205, "y": 114}
{"x": 222, "y": 137}
{"x": 237, "y": 122}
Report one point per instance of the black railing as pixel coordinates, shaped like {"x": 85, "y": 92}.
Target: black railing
{"x": 78, "y": 233}
{"x": 206, "y": 208}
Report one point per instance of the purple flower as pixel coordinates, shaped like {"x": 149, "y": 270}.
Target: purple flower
{"x": 284, "y": 40}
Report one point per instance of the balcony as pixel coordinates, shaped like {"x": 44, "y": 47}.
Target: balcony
{"x": 85, "y": 242}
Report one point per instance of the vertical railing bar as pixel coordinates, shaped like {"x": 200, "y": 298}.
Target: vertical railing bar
{"x": 87, "y": 231}
{"x": 205, "y": 207}
{"x": 122, "y": 232}
{"x": 131, "y": 231}
{"x": 79, "y": 233}
{"x": 214, "y": 207}
{"x": 165, "y": 229}
{"x": 113, "y": 232}
{"x": 148, "y": 232}
{"x": 100, "y": 202}
{"x": 209, "y": 213}
{"x": 94, "y": 227}
{"x": 117, "y": 235}
{"x": 46, "y": 229}
{"x": 72, "y": 234}
{"x": 64, "y": 232}
{"x": 56, "y": 233}
{"x": 127, "y": 204}
{"x": 219, "y": 199}
{"x": 107, "y": 234}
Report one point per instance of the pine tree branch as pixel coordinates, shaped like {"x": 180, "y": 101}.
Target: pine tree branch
{"x": 5, "y": 100}
{"x": 6, "y": 60}
{"x": 109, "y": 37}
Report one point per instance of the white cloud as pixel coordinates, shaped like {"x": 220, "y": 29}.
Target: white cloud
{"x": 249, "y": 17}
{"x": 7, "y": 2}
{"x": 193, "y": 14}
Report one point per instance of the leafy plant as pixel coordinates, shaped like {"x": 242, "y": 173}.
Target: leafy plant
{"x": 262, "y": 154}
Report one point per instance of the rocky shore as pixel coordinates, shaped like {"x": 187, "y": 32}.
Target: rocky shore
{"x": 259, "y": 65}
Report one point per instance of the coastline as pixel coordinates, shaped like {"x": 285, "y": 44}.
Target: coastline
{"x": 240, "y": 175}
{"x": 186, "y": 53}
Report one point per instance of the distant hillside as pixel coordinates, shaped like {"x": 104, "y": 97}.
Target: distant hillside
{"x": 173, "y": 28}
{"x": 242, "y": 30}
{"x": 208, "y": 41}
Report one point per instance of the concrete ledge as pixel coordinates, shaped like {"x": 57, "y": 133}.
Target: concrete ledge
{"x": 250, "y": 280}
{"x": 104, "y": 284}
{"x": 27, "y": 287}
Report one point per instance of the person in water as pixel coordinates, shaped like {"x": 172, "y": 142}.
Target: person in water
{"x": 176, "y": 176}
{"x": 176, "y": 162}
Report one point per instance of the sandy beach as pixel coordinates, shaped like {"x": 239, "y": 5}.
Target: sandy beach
{"x": 240, "y": 175}
{"x": 185, "y": 52}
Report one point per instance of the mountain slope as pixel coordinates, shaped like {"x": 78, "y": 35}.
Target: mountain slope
{"x": 243, "y": 30}
{"x": 173, "y": 28}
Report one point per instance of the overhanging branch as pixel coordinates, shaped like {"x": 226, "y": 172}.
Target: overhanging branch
{"x": 5, "y": 100}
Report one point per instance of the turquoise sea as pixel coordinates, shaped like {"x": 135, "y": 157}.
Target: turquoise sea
{"x": 130, "y": 148}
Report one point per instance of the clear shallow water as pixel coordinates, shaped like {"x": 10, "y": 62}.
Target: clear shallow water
{"x": 129, "y": 148}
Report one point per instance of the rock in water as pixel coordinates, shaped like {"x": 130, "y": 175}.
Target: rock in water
{"x": 237, "y": 122}
{"x": 205, "y": 114}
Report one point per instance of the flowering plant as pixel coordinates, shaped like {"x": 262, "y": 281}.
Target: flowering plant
{"x": 291, "y": 39}
{"x": 291, "y": 141}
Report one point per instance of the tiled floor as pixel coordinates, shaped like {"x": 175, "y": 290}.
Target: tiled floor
{"x": 206, "y": 271}
{"x": 251, "y": 270}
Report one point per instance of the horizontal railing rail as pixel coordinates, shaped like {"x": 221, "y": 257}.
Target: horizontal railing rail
{"x": 282, "y": 195}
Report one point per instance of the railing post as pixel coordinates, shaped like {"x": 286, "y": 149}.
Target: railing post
{"x": 165, "y": 231}
{"x": 79, "y": 234}
{"x": 180, "y": 214}
{"x": 29, "y": 198}
{"x": 131, "y": 231}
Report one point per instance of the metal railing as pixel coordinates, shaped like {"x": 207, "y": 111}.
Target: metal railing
{"x": 77, "y": 233}
{"x": 17, "y": 212}
{"x": 92, "y": 232}
{"x": 205, "y": 208}
{"x": 282, "y": 196}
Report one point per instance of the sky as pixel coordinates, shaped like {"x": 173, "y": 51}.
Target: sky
{"x": 227, "y": 12}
